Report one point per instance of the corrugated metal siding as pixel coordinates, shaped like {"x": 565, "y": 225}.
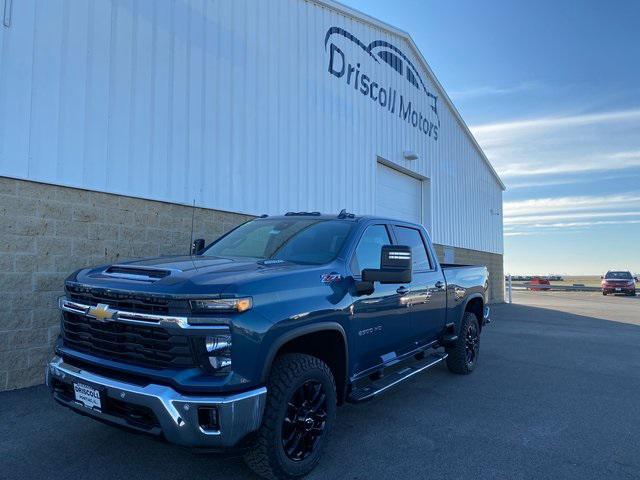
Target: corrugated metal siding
{"x": 227, "y": 103}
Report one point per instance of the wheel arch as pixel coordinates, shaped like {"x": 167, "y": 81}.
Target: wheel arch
{"x": 475, "y": 305}
{"x": 326, "y": 341}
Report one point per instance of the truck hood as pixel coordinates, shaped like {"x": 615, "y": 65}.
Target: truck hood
{"x": 183, "y": 275}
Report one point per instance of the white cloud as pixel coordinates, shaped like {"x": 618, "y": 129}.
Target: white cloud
{"x": 633, "y": 155}
{"x": 554, "y": 122}
{"x": 602, "y": 163}
{"x": 515, "y": 222}
{"x": 584, "y": 224}
{"x": 562, "y": 145}
{"x": 518, "y": 234}
{"x": 537, "y": 206}
{"x": 493, "y": 90}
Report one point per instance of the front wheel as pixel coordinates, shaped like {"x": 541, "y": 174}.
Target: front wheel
{"x": 463, "y": 355}
{"x": 298, "y": 416}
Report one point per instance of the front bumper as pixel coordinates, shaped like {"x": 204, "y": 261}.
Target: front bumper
{"x": 170, "y": 414}
{"x": 486, "y": 316}
{"x": 621, "y": 289}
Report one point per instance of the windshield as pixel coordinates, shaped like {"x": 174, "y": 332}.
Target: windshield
{"x": 619, "y": 275}
{"x": 299, "y": 240}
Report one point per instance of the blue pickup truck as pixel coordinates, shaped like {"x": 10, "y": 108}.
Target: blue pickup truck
{"x": 250, "y": 344}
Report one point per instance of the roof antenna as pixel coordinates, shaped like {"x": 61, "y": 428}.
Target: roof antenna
{"x": 344, "y": 214}
{"x": 193, "y": 215}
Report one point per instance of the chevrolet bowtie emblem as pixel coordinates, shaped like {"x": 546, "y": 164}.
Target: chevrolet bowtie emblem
{"x": 101, "y": 312}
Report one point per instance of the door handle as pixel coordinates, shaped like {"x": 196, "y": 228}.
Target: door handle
{"x": 402, "y": 290}
{"x": 439, "y": 285}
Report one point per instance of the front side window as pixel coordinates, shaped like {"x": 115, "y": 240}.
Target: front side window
{"x": 298, "y": 240}
{"x": 412, "y": 238}
{"x": 369, "y": 249}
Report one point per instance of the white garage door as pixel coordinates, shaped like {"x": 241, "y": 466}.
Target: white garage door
{"x": 398, "y": 195}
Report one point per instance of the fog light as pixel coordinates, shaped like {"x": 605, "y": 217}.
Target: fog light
{"x": 208, "y": 418}
{"x": 220, "y": 362}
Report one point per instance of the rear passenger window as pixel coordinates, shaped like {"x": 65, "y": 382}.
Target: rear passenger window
{"x": 412, "y": 238}
{"x": 368, "y": 251}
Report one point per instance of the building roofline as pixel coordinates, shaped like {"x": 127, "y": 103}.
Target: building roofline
{"x": 358, "y": 15}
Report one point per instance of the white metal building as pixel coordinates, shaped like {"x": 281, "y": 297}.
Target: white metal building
{"x": 244, "y": 106}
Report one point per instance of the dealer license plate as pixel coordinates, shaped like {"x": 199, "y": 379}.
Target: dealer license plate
{"x": 88, "y": 396}
{"x": 618, "y": 289}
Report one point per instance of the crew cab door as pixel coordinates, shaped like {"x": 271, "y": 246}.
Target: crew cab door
{"x": 428, "y": 297}
{"x": 380, "y": 323}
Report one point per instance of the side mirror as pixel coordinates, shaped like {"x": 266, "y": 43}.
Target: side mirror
{"x": 197, "y": 246}
{"x": 364, "y": 288}
{"x": 395, "y": 266}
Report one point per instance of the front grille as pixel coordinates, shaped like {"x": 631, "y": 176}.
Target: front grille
{"x": 148, "y": 346}
{"x": 128, "y": 301}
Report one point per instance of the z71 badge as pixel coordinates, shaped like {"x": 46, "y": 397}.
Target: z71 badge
{"x": 331, "y": 277}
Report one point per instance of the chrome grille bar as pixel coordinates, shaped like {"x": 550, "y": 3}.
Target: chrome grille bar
{"x": 128, "y": 317}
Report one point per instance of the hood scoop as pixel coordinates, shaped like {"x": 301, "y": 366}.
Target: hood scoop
{"x": 143, "y": 274}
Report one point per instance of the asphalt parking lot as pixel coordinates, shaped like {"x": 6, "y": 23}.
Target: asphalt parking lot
{"x": 555, "y": 395}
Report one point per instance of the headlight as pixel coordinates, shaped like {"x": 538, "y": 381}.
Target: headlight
{"x": 230, "y": 305}
{"x": 218, "y": 349}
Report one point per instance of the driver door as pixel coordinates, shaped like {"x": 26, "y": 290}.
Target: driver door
{"x": 380, "y": 322}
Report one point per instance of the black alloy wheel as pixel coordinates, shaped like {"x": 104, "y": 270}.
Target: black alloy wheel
{"x": 463, "y": 354}
{"x": 298, "y": 418}
{"x": 305, "y": 420}
{"x": 472, "y": 343}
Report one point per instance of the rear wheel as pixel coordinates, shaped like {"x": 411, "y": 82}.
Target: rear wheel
{"x": 300, "y": 411}
{"x": 463, "y": 355}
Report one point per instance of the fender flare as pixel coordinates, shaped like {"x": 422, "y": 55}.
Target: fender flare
{"x": 466, "y": 303}
{"x": 299, "y": 332}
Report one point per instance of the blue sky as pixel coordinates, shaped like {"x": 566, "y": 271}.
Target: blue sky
{"x": 551, "y": 90}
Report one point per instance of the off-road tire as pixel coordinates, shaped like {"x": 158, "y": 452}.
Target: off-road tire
{"x": 290, "y": 371}
{"x": 457, "y": 360}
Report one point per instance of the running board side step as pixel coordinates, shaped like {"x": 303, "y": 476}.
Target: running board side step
{"x": 376, "y": 387}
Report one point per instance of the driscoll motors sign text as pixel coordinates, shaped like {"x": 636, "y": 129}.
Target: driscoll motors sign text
{"x": 385, "y": 96}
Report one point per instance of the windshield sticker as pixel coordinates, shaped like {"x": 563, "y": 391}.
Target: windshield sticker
{"x": 272, "y": 262}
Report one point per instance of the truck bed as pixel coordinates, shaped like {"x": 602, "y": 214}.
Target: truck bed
{"x": 465, "y": 276}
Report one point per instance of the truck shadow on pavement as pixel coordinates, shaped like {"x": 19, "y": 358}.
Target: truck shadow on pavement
{"x": 554, "y": 396}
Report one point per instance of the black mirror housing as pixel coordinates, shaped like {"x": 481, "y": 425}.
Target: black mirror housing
{"x": 197, "y": 246}
{"x": 395, "y": 266}
{"x": 364, "y": 288}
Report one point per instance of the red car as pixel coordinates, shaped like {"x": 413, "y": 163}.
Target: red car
{"x": 618, "y": 282}
{"x": 538, "y": 284}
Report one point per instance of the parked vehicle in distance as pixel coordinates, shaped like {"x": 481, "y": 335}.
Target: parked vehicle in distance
{"x": 251, "y": 343}
{"x": 618, "y": 281}
{"x": 538, "y": 284}
{"x": 555, "y": 278}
